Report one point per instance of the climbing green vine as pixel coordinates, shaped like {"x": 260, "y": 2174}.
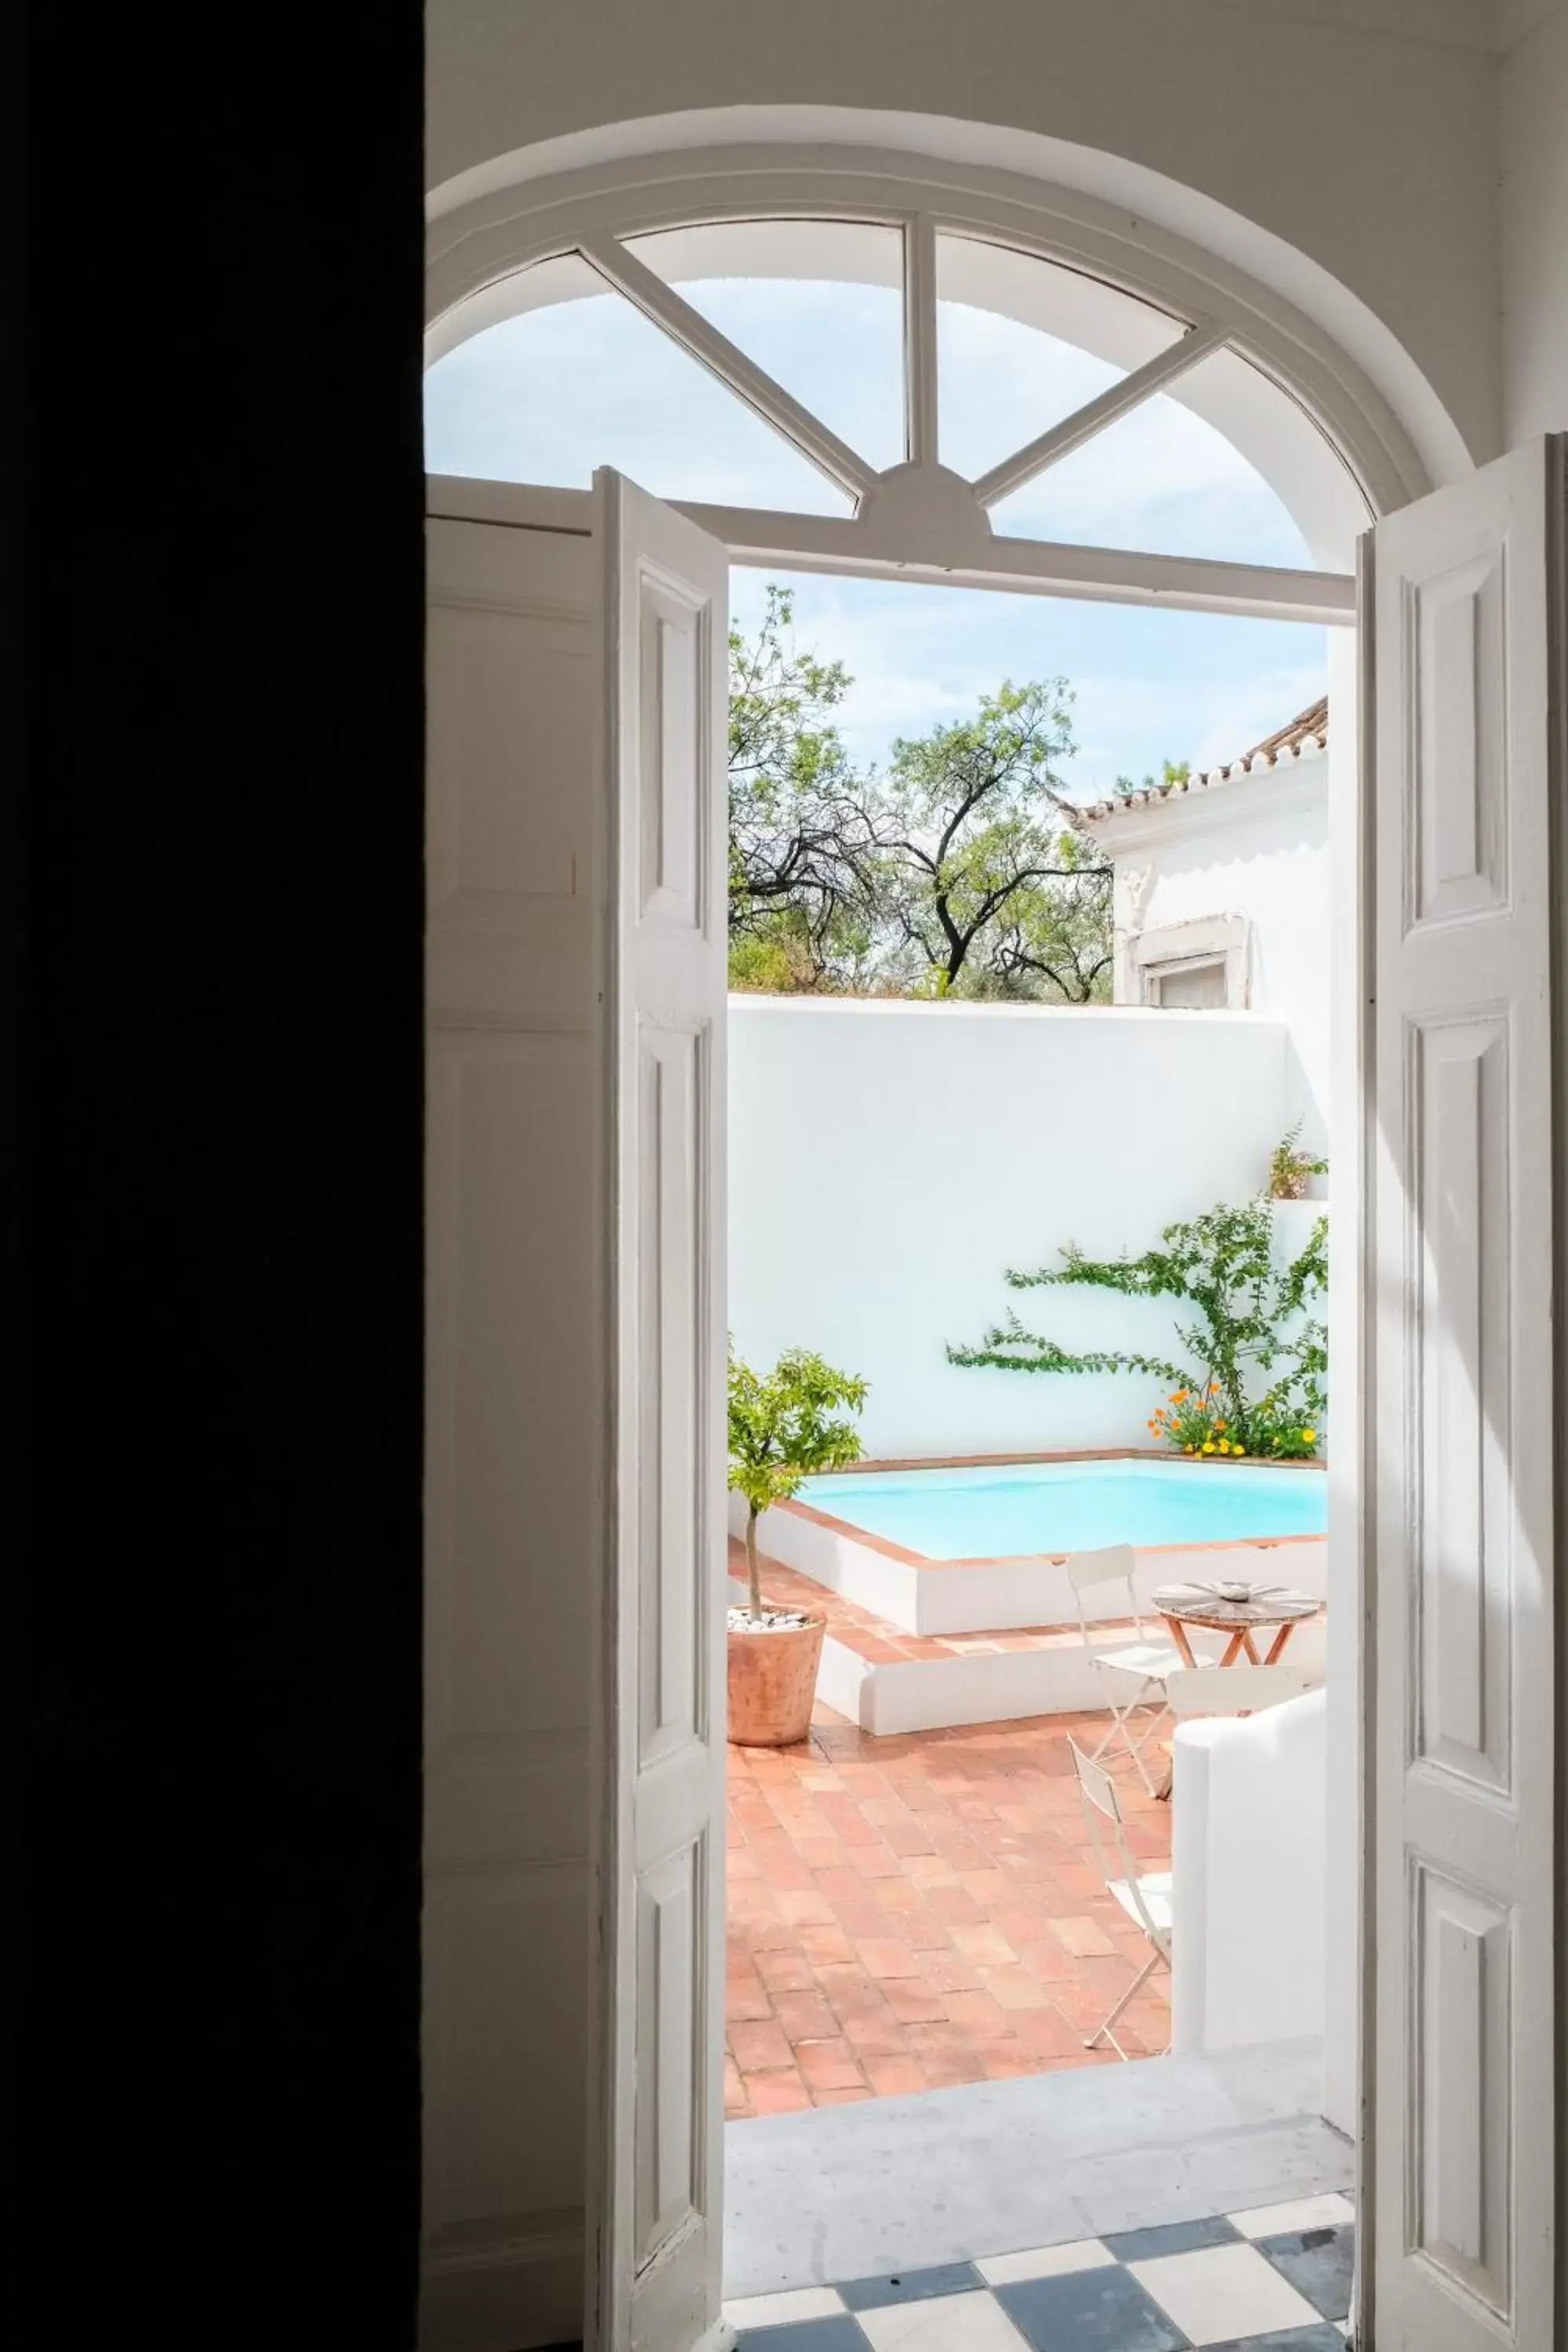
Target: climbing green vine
{"x": 1252, "y": 1375}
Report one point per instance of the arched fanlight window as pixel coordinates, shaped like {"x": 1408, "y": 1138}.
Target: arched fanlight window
{"x": 918, "y": 396}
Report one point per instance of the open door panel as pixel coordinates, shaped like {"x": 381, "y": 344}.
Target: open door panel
{"x": 661, "y": 1887}
{"x": 1464, "y": 1741}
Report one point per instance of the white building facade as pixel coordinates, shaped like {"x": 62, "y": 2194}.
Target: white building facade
{"x": 1221, "y": 898}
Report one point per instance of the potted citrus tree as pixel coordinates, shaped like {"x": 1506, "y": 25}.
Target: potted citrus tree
{"x": 784, "y": 1426}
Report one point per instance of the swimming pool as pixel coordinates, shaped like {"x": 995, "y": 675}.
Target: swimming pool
{"x": 984, "y": 1547}
{"x": 1013, "y": 1509}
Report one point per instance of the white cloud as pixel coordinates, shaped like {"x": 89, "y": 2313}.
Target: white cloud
{"x": 1207, "y": 722}
{"x": 1150, "y": 684}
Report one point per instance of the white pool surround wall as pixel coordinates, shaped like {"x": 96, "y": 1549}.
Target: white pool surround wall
{"x": 976, "y": 1596}
{"x": 888, "y": 1161}
{"x": 887, "y": 1699}
{"x": 887, "y": 1696}
{"x": 1248, "y": 1863}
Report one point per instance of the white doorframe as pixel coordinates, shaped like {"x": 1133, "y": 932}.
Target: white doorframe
{"x": 570, "y": 514}
{"x": 764, "y": 539}
{"x": 916, "y": 521}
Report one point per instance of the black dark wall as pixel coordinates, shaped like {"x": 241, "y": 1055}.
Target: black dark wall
{"x": 219, "y": 1580}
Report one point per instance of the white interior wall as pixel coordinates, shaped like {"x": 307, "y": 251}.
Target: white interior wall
{"x": 1308, "y": 120}
{"x": 514, "y": 1380}
{"x": 1533, "y": 99}
{"x": 888, "y": 1161}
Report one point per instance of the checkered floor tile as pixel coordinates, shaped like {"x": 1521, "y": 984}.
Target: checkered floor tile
{"x": 1277, "y": 2280}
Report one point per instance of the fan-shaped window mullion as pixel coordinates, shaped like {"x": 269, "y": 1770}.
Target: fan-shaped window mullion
{"x": 709, "y": 345}
{"x": 920, "y": 339}
{"x": 1058, "y": 440}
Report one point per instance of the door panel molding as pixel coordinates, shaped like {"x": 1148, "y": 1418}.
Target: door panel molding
{"x": 659, "y": 1742}
{"x": 1463, "y": 1701}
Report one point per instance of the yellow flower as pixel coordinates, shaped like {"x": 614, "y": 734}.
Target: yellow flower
{"x": 1186, "y": 1449}
{"x": 1310, "y": 1434}
{"x": 1208, "y": 1445}
{"x": 1237, "y": 1447}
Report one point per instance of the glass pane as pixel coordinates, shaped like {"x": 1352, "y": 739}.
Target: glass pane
{"x": 1021, "y": 343}
{"x": 1195, "y": 987}
{"x": 580, "y": 379}
{"x": 1192, "y": 472}
{"x": 819, "y": 304}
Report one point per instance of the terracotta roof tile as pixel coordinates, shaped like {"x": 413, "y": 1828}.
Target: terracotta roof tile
{"x": 1308, "y": 730}
{"x": 1307, "y": 733}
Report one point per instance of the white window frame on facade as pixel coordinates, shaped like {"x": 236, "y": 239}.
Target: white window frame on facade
{"x": 1208, "y": 942}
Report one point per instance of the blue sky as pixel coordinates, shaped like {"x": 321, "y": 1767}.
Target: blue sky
{"x": 549, "y": 395}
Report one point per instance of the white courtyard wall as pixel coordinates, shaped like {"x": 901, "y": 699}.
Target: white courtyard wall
{"x": 888, "y": 1161}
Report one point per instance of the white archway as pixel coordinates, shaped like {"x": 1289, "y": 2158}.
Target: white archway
{"x": 1374, "y": 430}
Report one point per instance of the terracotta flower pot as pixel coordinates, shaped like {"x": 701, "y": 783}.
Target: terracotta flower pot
{"x": 773, "y": 1682}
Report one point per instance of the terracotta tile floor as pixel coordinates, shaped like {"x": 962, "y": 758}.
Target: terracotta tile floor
{"x": 909, "y": 1913}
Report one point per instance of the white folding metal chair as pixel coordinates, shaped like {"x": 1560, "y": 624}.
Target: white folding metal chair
{"x": 1237, "y": 1690}
{"x": 1144, "y": 1896}
{"x": 1139, "y": 1669}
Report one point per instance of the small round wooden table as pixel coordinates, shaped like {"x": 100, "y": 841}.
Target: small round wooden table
{"x": 1182, "y": 1605}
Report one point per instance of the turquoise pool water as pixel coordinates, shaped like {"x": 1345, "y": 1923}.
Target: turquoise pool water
{"x": 1040, "y": 1507}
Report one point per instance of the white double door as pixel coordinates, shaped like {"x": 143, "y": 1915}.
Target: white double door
{"x": 577, "y": 1545}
